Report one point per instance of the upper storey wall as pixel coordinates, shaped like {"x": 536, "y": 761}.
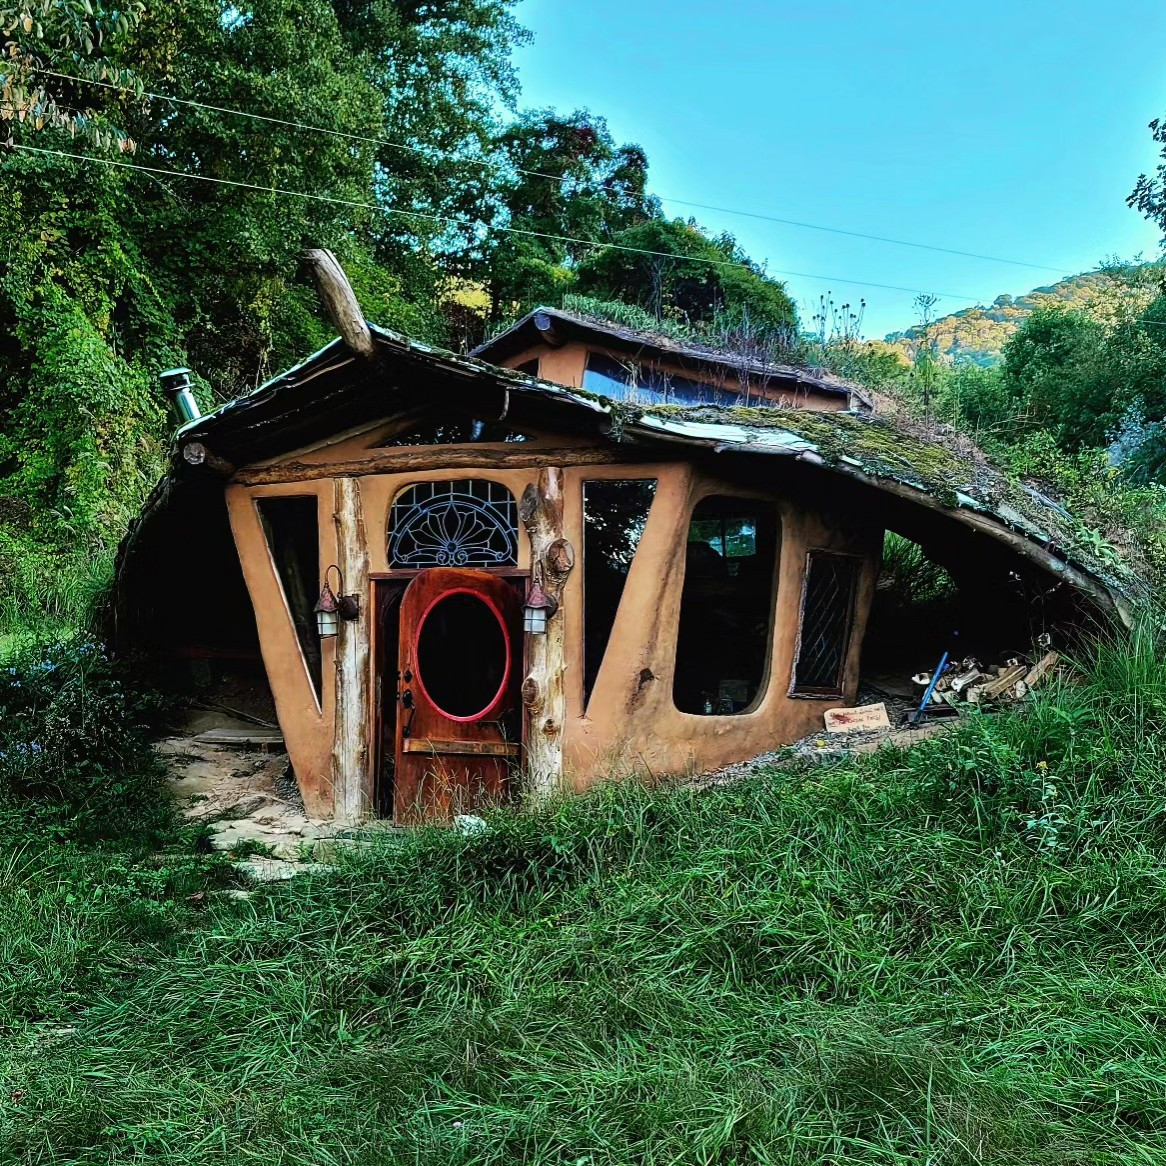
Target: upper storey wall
{"x": 567, "y": 365}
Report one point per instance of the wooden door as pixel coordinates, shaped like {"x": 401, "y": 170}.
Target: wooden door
{"x": 459, "y": 664}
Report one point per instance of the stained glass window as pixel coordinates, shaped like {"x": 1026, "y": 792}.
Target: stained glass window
{"x": 470, "y": 523}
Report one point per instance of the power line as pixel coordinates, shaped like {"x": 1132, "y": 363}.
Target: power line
{"x": 562, "y": 179}
{"x": 449, "y": 220}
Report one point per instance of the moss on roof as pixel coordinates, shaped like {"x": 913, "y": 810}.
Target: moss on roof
{"x": 882, "y": 448}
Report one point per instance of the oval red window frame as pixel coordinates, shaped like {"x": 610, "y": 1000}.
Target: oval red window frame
{"x": 497, "y": 697}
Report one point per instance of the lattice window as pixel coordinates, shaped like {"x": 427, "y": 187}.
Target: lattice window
{"x": 827, "y": 620}
{"x": 471, "y": 523}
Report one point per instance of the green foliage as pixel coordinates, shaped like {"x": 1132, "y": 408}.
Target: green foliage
{"x": 78, "y": 37}
{"x": 111, "y": 275}
{"x": 675, "y": 269}
{"x": 1107, "y": 506}
{"x": 562, "y": 176}
{"x": 1057, "y": 365}
{"x": 75, "y": 742}
{"x": 913, "y": 578}
{"x": 943, "y": 955}
{"x": 977, "y": 336}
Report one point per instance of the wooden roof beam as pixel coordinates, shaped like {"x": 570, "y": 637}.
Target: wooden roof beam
{"x": 340, "y": 302}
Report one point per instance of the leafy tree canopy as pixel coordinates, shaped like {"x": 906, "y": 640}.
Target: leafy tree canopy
{"x": 673, "y": 268}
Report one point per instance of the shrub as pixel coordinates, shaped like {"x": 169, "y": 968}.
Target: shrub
{"x": 75, "y": 741}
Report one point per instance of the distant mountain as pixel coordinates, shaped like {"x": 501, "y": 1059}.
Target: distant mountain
{"x": 978, "y": 335}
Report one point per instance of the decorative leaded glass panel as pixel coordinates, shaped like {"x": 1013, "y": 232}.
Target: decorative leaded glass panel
{"x": 827, "y": 618}
{"x": 471, "y": 523}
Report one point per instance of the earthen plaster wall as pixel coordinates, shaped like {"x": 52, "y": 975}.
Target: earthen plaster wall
{"x": 630, "y": 723}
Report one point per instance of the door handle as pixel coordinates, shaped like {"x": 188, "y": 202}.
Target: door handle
{"x": 407, "y": 703}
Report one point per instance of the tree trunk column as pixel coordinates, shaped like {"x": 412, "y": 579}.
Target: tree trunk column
{"x": 544, "y": 691}
{"x": 351, "y": 776}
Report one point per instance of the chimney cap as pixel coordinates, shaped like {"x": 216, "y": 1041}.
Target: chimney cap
{"x": 174, "y": 380}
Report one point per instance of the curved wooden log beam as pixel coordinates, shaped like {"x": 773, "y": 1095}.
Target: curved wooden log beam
{"x": 412, "y": 459}
{"x": 340, "y": 302}
{"x": 194, "y": 453}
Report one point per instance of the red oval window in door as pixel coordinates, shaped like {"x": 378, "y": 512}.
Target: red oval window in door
{"x": 462, "y": 655}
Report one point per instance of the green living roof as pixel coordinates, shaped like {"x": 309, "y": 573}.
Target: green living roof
{"x": 934, "y": 470}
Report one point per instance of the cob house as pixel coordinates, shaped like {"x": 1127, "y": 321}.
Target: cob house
{"x": 577, "y": 553}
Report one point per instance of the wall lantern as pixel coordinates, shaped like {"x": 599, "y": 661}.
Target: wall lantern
{"x": 330, "y": 610}
{"x": 538, "y": 609}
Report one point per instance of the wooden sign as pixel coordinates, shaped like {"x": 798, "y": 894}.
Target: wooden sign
{"x": 862, "y": 719}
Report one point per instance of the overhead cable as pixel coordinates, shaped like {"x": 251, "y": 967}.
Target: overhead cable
{"x": 452, "y": 221}
{"x": 486, "y": 162}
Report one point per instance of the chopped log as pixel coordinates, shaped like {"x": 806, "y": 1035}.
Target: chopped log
{"x": 966, "y": 680}
{"x": 194, "y": 453}
{"x": 351, "y": 770}
{"x": 546, "y": 329}
{"x": 340, "y": 302}
{"x": 404, "y": 460}
{"x": 1000, "y": 687}
{"x": 544, "y": 693}
{"x": 1041, "y": 669}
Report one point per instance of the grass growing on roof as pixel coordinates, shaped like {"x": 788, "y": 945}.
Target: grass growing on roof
{"x": 946, "y": 956}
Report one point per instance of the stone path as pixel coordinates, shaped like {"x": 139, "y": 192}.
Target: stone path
{"x": 248, "y": 799}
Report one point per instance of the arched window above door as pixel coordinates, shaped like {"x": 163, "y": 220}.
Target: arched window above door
{"x": 467, "y": 523}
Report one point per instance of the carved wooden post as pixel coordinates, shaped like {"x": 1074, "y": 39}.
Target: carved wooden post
{"x": 544, "y": 692}
{"x": 351, "y": 778}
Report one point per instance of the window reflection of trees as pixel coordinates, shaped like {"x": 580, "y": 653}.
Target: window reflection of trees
{"x": 724, "y": 634}
{"x": 615, "y": 512}
{"x": 629, "y": 381}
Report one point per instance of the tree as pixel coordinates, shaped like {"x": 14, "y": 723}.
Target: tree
{"x": 1055, "y": 367}
{"x": 112, "y": 273}
{"x": 563, "y": 179}
{"x": 672, "y": 268}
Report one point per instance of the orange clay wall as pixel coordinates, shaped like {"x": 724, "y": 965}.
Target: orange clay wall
{"x": 630, "y": 724}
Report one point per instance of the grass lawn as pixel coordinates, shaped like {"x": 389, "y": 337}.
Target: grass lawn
{"x": 953, "y": 955}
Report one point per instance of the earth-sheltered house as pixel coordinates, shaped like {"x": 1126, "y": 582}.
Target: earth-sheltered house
{"x": 465, "y": 582}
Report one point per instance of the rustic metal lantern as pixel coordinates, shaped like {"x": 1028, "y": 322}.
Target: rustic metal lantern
{"x": 539, "y": 608}
{"x": 330, "y": 610}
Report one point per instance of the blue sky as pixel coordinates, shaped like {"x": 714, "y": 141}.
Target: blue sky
{"x": 1012, "y": 130}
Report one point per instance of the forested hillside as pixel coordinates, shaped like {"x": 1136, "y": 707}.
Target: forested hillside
{"x": 169, "y": 161}
{"x": 978, "y": 335}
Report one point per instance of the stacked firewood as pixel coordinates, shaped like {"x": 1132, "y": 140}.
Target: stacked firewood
{"x": 968, "y": 681}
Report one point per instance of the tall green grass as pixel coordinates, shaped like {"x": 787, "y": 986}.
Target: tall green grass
{"x": 947, "y": 955}
{"x": 47, "y": 596}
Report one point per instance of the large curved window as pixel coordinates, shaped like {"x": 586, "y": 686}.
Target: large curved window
{"x": 471, "y": 523}
{"x": 726, "y": 608}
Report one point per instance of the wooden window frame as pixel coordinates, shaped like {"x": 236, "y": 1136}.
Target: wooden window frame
{"x": 834, "y": 692}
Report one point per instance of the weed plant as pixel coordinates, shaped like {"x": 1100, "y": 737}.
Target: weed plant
{"x": 946, "y": 955}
